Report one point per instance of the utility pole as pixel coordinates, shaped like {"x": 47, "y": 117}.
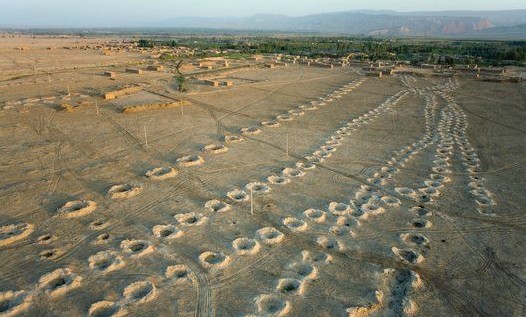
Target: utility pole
{"x": 182, "y": 105}
{"x": 251, "y": 202}
{"x": 287, "y": 145}
{"x": 145, "y": 137}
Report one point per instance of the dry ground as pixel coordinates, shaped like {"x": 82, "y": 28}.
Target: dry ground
{"x": 414, "y": 205}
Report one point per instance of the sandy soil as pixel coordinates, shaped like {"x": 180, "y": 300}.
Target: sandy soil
{"x": 400, "y": 196}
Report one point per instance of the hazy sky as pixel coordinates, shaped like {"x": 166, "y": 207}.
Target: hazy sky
{"x": 146, "y": 12}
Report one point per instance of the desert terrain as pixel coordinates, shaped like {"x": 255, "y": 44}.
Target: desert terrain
{"x": 298, "y": 191}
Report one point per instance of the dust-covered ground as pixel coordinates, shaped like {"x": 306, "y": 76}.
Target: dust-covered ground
{"x": 300, "y": 191}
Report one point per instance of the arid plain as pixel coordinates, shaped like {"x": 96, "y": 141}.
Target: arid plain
{"x": 298, "y": 191}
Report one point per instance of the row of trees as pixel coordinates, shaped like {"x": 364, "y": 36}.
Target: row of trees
{"x": 370, "y": 48}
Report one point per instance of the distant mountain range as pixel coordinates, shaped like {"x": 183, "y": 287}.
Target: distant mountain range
{"x": 484, "y": 24}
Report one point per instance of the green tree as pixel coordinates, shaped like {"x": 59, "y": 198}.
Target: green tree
{"x": 181, "y": 83}
{"x": 145, "y": 43}
{"x": 180, "y": 78}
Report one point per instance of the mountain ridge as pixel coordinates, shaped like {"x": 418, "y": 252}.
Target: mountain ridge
{"x": 504, "y": 24}
{"x": 365, "y": 22}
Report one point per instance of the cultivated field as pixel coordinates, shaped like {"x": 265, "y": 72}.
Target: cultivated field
{"x": 299, "y": 191}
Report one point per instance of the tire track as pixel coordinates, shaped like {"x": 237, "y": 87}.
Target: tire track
{"x": 227, "y": 280}
{"x": 133, "y": 140}
{"x": 204, "y": 307}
